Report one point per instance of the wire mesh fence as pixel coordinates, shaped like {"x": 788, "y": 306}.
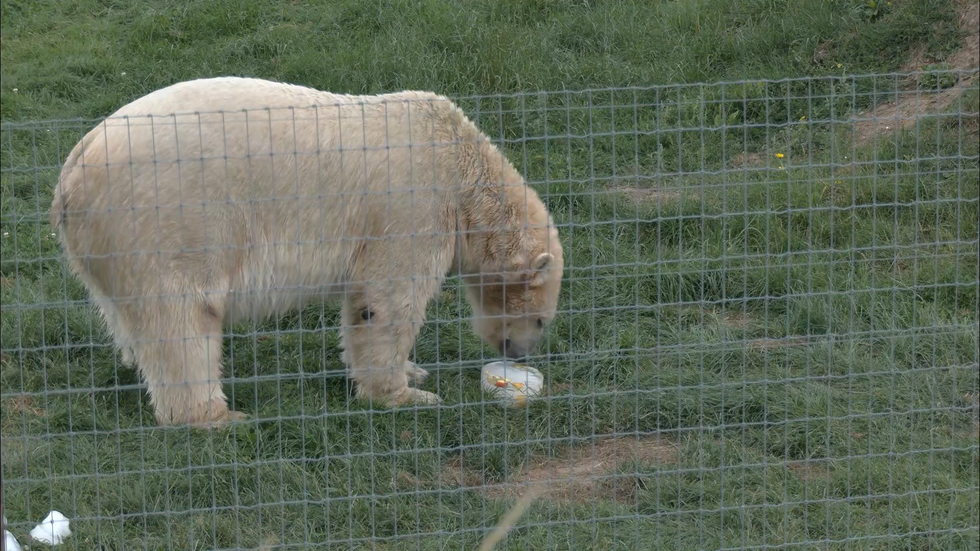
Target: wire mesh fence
{"x": 766, "y": 335}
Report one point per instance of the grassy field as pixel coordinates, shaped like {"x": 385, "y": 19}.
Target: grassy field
{"x": 768, "y": 332}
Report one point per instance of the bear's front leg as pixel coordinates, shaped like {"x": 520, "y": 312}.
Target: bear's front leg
{"x": 378, "y": 336}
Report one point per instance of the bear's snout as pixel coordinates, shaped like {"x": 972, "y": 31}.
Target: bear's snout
{"x": 512, "y": 350}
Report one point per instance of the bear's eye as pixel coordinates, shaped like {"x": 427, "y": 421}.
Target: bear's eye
{"x": 540, "y": 322}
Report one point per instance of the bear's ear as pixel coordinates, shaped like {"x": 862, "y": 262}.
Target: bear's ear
{"x": 542, "y": 261}
{"x": 539, "y": 268}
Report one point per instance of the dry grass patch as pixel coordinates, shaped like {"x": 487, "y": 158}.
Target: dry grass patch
{"x": 585, "y": 473}
{"x": 909, "y": 107}
{"x": 809, "y": 470}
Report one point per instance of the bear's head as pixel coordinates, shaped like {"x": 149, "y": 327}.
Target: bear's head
{"x": 513, "y": 310}
{"x": 510, "y": 254}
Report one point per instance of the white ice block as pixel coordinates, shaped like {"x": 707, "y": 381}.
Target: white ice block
{"x": 53, "y": 529}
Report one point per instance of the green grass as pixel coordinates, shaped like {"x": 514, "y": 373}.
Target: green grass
{"x": 87, "y": 58}
{"x": 803, "y": 329}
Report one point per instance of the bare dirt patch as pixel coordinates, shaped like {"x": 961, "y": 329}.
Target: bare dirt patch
{"x": 748, "y": 159}
{"x": 896, "y": 116}
{"x": 23, "y": 405}
{"x": 968, "y": 56}
{"x": 739, "y": 320}
{"x": 910, "y": 106}
{"x": 585, "y": 473}
{"x": 642, "y": 191}
{"x": 805, "y": 471}
{"x": 916, "y": 60}
{"x": 647, "y": 196}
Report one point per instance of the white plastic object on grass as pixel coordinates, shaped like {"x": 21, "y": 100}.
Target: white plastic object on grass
{"x": 10, "y": 543}
{"x": 512, "y": 382}
{"x": 52, "y": 530}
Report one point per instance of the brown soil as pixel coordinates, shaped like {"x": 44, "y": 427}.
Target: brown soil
{"x": 586, "y": 473}
{"x": 909, "y": 107}
{"x": 23, "y": 404}
{"x": 646, "y": 195}
{"x": 748, "y": 159}
{"x": 737, "y": 319}
{"x": 968, "y": 57}
{"x": 814, "y": 470}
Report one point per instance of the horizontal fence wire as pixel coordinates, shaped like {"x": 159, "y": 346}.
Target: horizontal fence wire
{"x": 765, "y": 336}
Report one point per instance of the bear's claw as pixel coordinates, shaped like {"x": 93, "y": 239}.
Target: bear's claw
{"x": 218, "y": 418}
{"x": 415, "y": 373}
{"x": 414, "y": 396}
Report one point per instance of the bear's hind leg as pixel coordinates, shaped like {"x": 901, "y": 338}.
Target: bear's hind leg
{"x": 116, "y": 326}
{"x": 179, "y": 358}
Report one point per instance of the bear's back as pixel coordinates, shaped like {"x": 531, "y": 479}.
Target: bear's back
{"x": 215, "y": 166}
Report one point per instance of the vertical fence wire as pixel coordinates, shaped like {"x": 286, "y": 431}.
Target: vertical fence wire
{"x": 766, "y": 334}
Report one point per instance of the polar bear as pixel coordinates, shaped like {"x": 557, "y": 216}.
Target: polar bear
{"x": 216, "y": 201}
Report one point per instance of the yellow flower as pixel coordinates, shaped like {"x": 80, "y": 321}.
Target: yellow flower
{"x": 838, "y": 65}
{"x": 779, "y": 155}
{"x": 803, "y": 118}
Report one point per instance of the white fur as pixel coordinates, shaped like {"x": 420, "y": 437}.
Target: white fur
{"x": 223, "y": 200}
